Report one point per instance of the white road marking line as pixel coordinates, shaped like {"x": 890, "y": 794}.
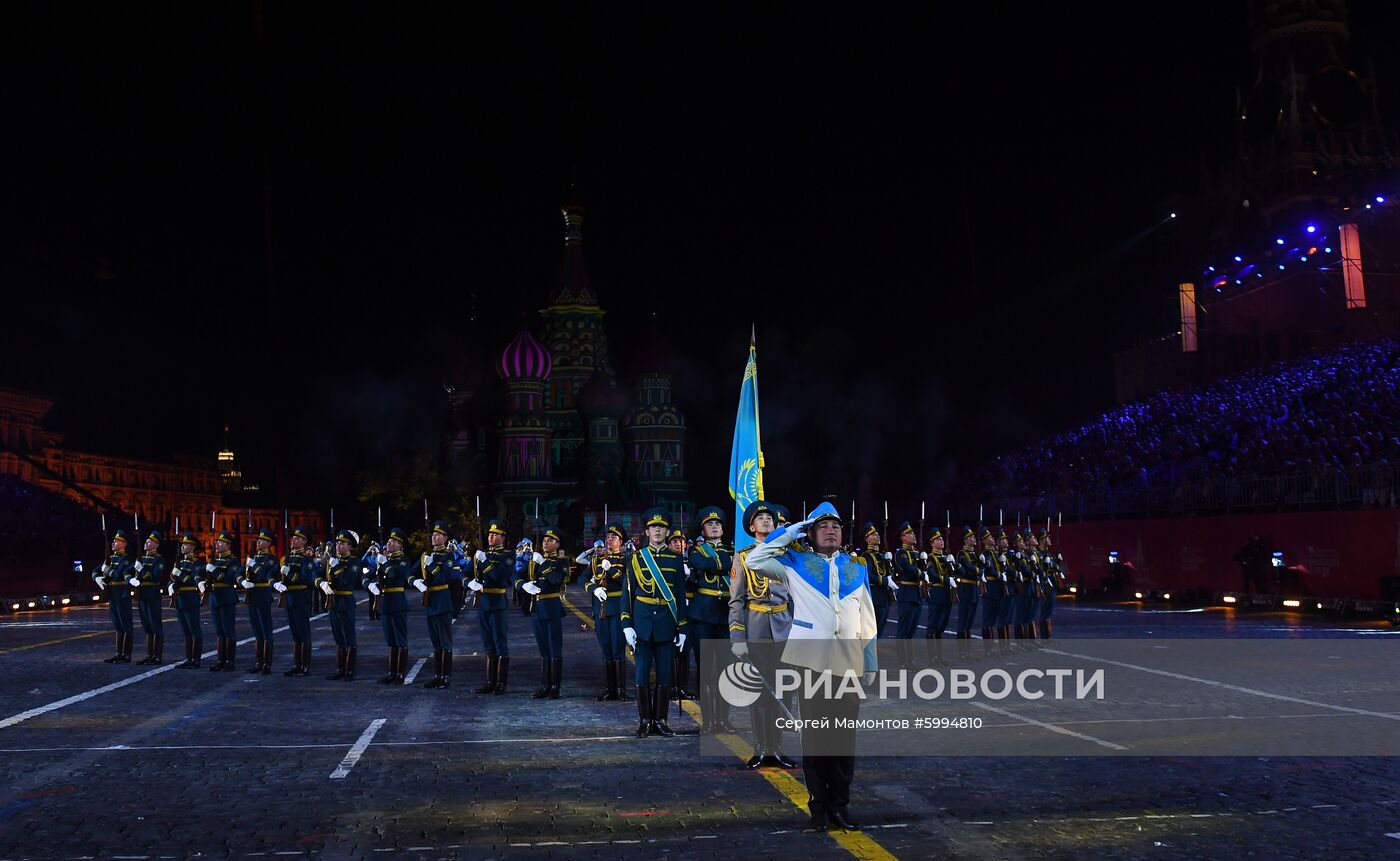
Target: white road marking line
{"x": 343, "y": 770}
{"x": 1227, "y": 686}
{"x": 1052, "y": 727}
{"x": 413, "y": 673}
{"x": 87, "y": 695}
{"x": 310, "y": 746}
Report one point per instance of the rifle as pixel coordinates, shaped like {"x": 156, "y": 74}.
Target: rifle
{"x": 923, "y": 581}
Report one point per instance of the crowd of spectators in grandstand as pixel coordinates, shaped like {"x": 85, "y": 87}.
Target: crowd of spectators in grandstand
{"x": 1309, "y": 418}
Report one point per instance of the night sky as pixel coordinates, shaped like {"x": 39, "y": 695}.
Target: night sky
{"x": 299, "y": 222}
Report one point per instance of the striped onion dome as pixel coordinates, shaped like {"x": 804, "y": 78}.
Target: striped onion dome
{"x": 525, "y": 358}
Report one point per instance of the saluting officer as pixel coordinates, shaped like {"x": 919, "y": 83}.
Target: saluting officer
{"x": 112, "y": 578}
{"x": 439, "y": 567}
{"x": 222, "y": 574}
{"x": 296, "y": 586}
{"x": 941, "y": 578}
{"x": 148, "y": 579}
{"x": 393, "y": 571}
{"x": 186, "y": 589}
{"x": 710, "y": 563}
{"x": 338, "y": 580}
{"x": 542, "y": 575}
{"x": 260, "y": 572}
{"x": 492, "y": 572}
{"x": 654, "y": 621}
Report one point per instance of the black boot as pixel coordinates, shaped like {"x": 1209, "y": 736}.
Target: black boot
{"x": 643, "y": 713}
{"x": 267, "y": 657}
{"x": 987, "y": 642}
{"x": 189, "y": 656}
{"x": 839, "y": 819}
{"x": 116, "y": 652}
{"x": 220, "y": 661}
{"x": 196, "y": 654}
{"x": 446, "y": 669}
{"x": 296, "y": 661}
{"x": 760, "y": 734}
{"x": 661, "y": 703}
{"x": 339, "y": 665}
{"x": 556, "y": 677}
{"x": 393, "y": 667}
{"x": 123, "y": 649}
{"x": 1048, "y": 628}
{"x": 150, "y": 651}
{"x": 543, "y": 690}
{"x": 350, "y": 663}
{"x": 232, "y": 653}
{"x": 622, "y": 679}
{"x": 257, "y": 658}
{"x": 502, "y": 673}
{"x": 610, "y": 671}
{"x": 682, "y": 689}
{"x": 436, "y": 680}
{"x": 159, "y": 655}
{"x": 493, "y": 664}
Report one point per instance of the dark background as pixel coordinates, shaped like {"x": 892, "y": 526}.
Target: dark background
{"x": 298, "y": 220}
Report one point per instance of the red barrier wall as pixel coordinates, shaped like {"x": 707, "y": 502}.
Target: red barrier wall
{"x": 1339, "y": 554}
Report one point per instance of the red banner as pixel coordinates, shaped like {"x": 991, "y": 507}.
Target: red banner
{"x": 1336, "y": 554}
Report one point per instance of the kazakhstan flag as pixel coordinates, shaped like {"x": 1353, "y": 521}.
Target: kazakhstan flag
{"x": 746, "y": 456}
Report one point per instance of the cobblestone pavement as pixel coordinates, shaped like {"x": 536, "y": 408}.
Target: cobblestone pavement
{"x": 179, "y": 764}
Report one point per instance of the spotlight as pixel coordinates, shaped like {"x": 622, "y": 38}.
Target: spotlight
{"x": 1228, "y": 599}
{"x": 1312, "y": 228}
{"x": 14, "y": 606}
{"x": 1237, "y": 259}
{"x": 1074, "y": 590}
{"x": 1292, "y": 602}
{"x": 1137, "y": 595}
{"x": 1166, "y": 596}
{"x": 1303, "y": 259}
{"x": 1319, "y": 605}
{"x": 1328, "y": 249}
{"x": 32, "y": 605}
{"x": 1280, "y": 266}
{"x": 1278, "y": 241}
{"x": 96, "y": 598}
{"x": 67, "y": 601}
{"x": 1380, "y": 199}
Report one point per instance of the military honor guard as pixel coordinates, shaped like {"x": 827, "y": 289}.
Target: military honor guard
{"x": 542, "y": 575}
{"x": 760, "y": 617}
{"x": 1054, "y": 567}
{"x": 148, "y": 579}
{"x": 941, "y": 578}
{"x": 608, "y": 568}
{"x": 491, "y": 575}
{"x": 1011, "y": 577}
{"x": 678, "y": 543}
{"x": 994, "y": 578}
{"x": 708, "y": 614}
{"x": 969, "y": 577}
{"x": 186, "y": 590}
{"x": 113, "y": 577}
{"x": 222, "y": 575}
{"x": 832, "y": 631}
{"x": 338, "y": 580}
{"x": 392, "y": 575}
{"x": 654, "y": 621}
{"x": 877, "y": 568}
{"x": 296, "y": 585}
{"x": 907, "y": 580}
{"x": 438, "y": 568}
{"x": 260, "y": 571}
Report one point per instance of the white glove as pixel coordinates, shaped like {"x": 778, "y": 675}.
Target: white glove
{"x": 867, "y": 679}
{"x": 138, "y": 566}
{"x": 1059, "y": 557}
{"x": 889, "y": 581}
{"x": 799, "y": 529}
{"x": 326, "y": 587}
{"x": 286, "y": 569}
{"x": 680, "y": 642}
{"x": 280, "y": 587}
{"x": 949, "y": 559}
{"x": 605, "y": 565}
{"x": 475, "y": 586}
{"x": 739, "y": 649}
{"x": 889, "y": 557}
{"x": 539, "y": 560}
{"x": 427, "y": 558}
{"x": 104, "y": 568}
{"x": 246, "y": 583}
{"x": 532, "y": 588}
{"x": 373, "y": 588}
{"x": 209, "y": 566}
{"x": 134, "y": 581}
{"x": 170, "y": 590}
{"x": 600, "y": 593}
{"x": 686, "y": 566}
{"x": 1003, "y": 558}
{"x": 248, "y": 563}
{"x": 479, "y": 555}
{"x": 381, "y": 559}
{"x": 631, "y": 636}
{"x": 101, "y": 582}
{"x": 923, "y": 556}
{"x": 202, "y": 587}
{"x": 420, "y": 585}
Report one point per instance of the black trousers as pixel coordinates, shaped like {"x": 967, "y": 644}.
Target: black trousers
{"x": 828, "y": 775}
